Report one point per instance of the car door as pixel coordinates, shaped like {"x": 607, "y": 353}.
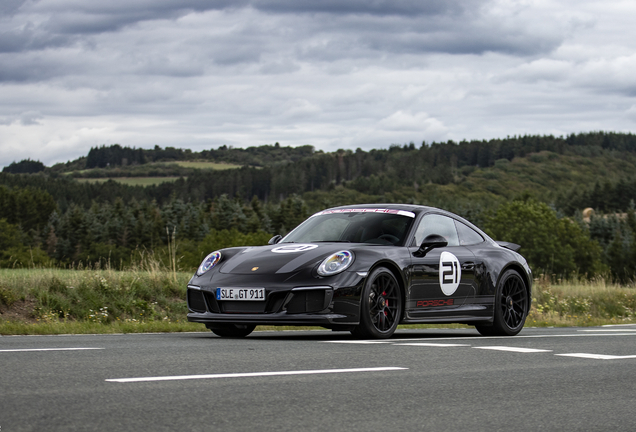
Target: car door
{"x": 443, "y": 279}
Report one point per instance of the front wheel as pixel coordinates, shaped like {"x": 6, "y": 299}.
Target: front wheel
{"x": 380, "y": 306}
{"x": 511, "y": 307}
{"x": 232, "y": 330}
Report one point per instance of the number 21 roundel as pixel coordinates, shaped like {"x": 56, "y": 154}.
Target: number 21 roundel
{"x": 450, "y": 273}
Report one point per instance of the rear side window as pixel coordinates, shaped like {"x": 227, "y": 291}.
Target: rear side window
{"x": 467, "y": 235}
{"x": 437, "y": 224}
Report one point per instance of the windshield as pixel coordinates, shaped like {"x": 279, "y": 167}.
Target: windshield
{"x": 355, "y": 226}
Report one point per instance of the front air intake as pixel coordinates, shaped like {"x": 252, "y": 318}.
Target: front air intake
{"x": 196, "y": 302}
{"x": 308, "y": 301}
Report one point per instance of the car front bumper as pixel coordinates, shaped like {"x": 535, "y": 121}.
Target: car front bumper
{"x": 321, "y": 305}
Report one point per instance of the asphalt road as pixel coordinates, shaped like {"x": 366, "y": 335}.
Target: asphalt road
{"x": 574, "y": 379}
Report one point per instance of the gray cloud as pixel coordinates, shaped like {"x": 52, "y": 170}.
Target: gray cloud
{"x": 29, "y": 38}
{"x": 78, "y": 16}
{"x": 10, "y": 7}
{"x": 35, "y": 25}
{"x": 372, "y": 7}
{"x": 395, "y": 26}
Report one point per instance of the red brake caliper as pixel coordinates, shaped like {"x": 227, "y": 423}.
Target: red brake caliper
{"x": 386, "y": 304}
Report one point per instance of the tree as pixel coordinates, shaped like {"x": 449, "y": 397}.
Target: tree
{"x": 28, "y": 207}
{"x": 25, "y": 166}
{"x": 551, "y": 245}
{"x": 13, "y": 253}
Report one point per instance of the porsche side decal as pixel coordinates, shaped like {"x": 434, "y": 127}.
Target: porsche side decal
{"x": 450, "y": 273}
{"x": 434, "y": 303}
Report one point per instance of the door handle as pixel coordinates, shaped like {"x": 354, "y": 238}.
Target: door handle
{"x": 469, "y": 265}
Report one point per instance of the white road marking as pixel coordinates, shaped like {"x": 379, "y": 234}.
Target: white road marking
{"x": 477, "y": 338}
{"x": 618, "y": 325}
{"x": 513, "y": 349}
{"x": 597, "y": 356}
{"x": 592, "y": 332}
{"x": 49, "y": 349}
{"x": 431, "y": 344}
{"x": 254, "y": 374}
{"x": 572, "y": 335}
{"x": 361, "y": 342}
{"x": 609, "y": 330}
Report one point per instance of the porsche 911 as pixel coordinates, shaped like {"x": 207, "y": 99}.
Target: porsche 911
{"x": 366, "y": 269}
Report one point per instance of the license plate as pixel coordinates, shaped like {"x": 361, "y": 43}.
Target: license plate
{"x": 246, "y": 294}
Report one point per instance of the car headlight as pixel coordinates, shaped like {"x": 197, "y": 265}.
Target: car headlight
{"x": 209, "y": 262}
{"x": 336, "y": 263}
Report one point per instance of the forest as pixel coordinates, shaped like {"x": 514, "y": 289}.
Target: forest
{"x": 49, "y": 218}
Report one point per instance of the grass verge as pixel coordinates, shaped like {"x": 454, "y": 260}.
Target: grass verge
{"x": 581, "y": 303}
{"x": 150, "y": 299}
{"x": 83, "y": 327}
{"x": 37, "y": 301}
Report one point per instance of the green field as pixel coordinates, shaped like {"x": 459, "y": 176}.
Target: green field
{"x": 148, "y": 174}
{"x": 131, "y": 181}
{"x": 202, "y": 165}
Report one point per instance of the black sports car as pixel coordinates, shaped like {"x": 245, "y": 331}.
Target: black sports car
{"x": 366, "y": 269}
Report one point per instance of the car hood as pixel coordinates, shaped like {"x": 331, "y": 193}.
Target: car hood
{"x": 281, "y": 258}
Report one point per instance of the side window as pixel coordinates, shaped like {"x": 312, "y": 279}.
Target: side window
{"x": 467, "y": 235}
{"x": 437, "y": 224}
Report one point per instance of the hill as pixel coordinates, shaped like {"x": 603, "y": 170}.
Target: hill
{"x": 269, "y": 189}
{"x": 585, "y": 170}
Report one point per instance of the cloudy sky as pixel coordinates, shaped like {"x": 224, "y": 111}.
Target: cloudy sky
{"x": 198, "y": 74}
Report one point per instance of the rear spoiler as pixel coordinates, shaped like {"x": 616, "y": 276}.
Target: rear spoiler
{"x": 511, "y": 246}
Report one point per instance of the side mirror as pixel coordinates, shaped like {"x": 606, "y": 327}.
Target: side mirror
{"x": 274, "y": 240}
{"x": 431, "y": 242}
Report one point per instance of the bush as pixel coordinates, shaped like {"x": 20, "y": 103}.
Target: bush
{"x": 551, "y": 245}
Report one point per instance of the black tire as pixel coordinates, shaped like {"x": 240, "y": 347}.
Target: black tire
{"x": 380, "y": 306}
{"x": 511, "y": 307}
{"x": 233, "y": 330}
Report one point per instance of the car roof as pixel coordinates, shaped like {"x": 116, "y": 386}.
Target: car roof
{"x": 417, "y": 209}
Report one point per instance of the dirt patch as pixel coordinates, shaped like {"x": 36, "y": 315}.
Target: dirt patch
{"x": 21, "y": 310}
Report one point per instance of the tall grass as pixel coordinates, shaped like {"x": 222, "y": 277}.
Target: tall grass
{"x": 81, "y": 300}
{"x": 581, "y": 302}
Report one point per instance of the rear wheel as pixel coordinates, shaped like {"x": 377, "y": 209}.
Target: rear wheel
{"x": 232, "y": 330}
{"x": 511, "y": 307}
{"x": 380, "y": 306}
